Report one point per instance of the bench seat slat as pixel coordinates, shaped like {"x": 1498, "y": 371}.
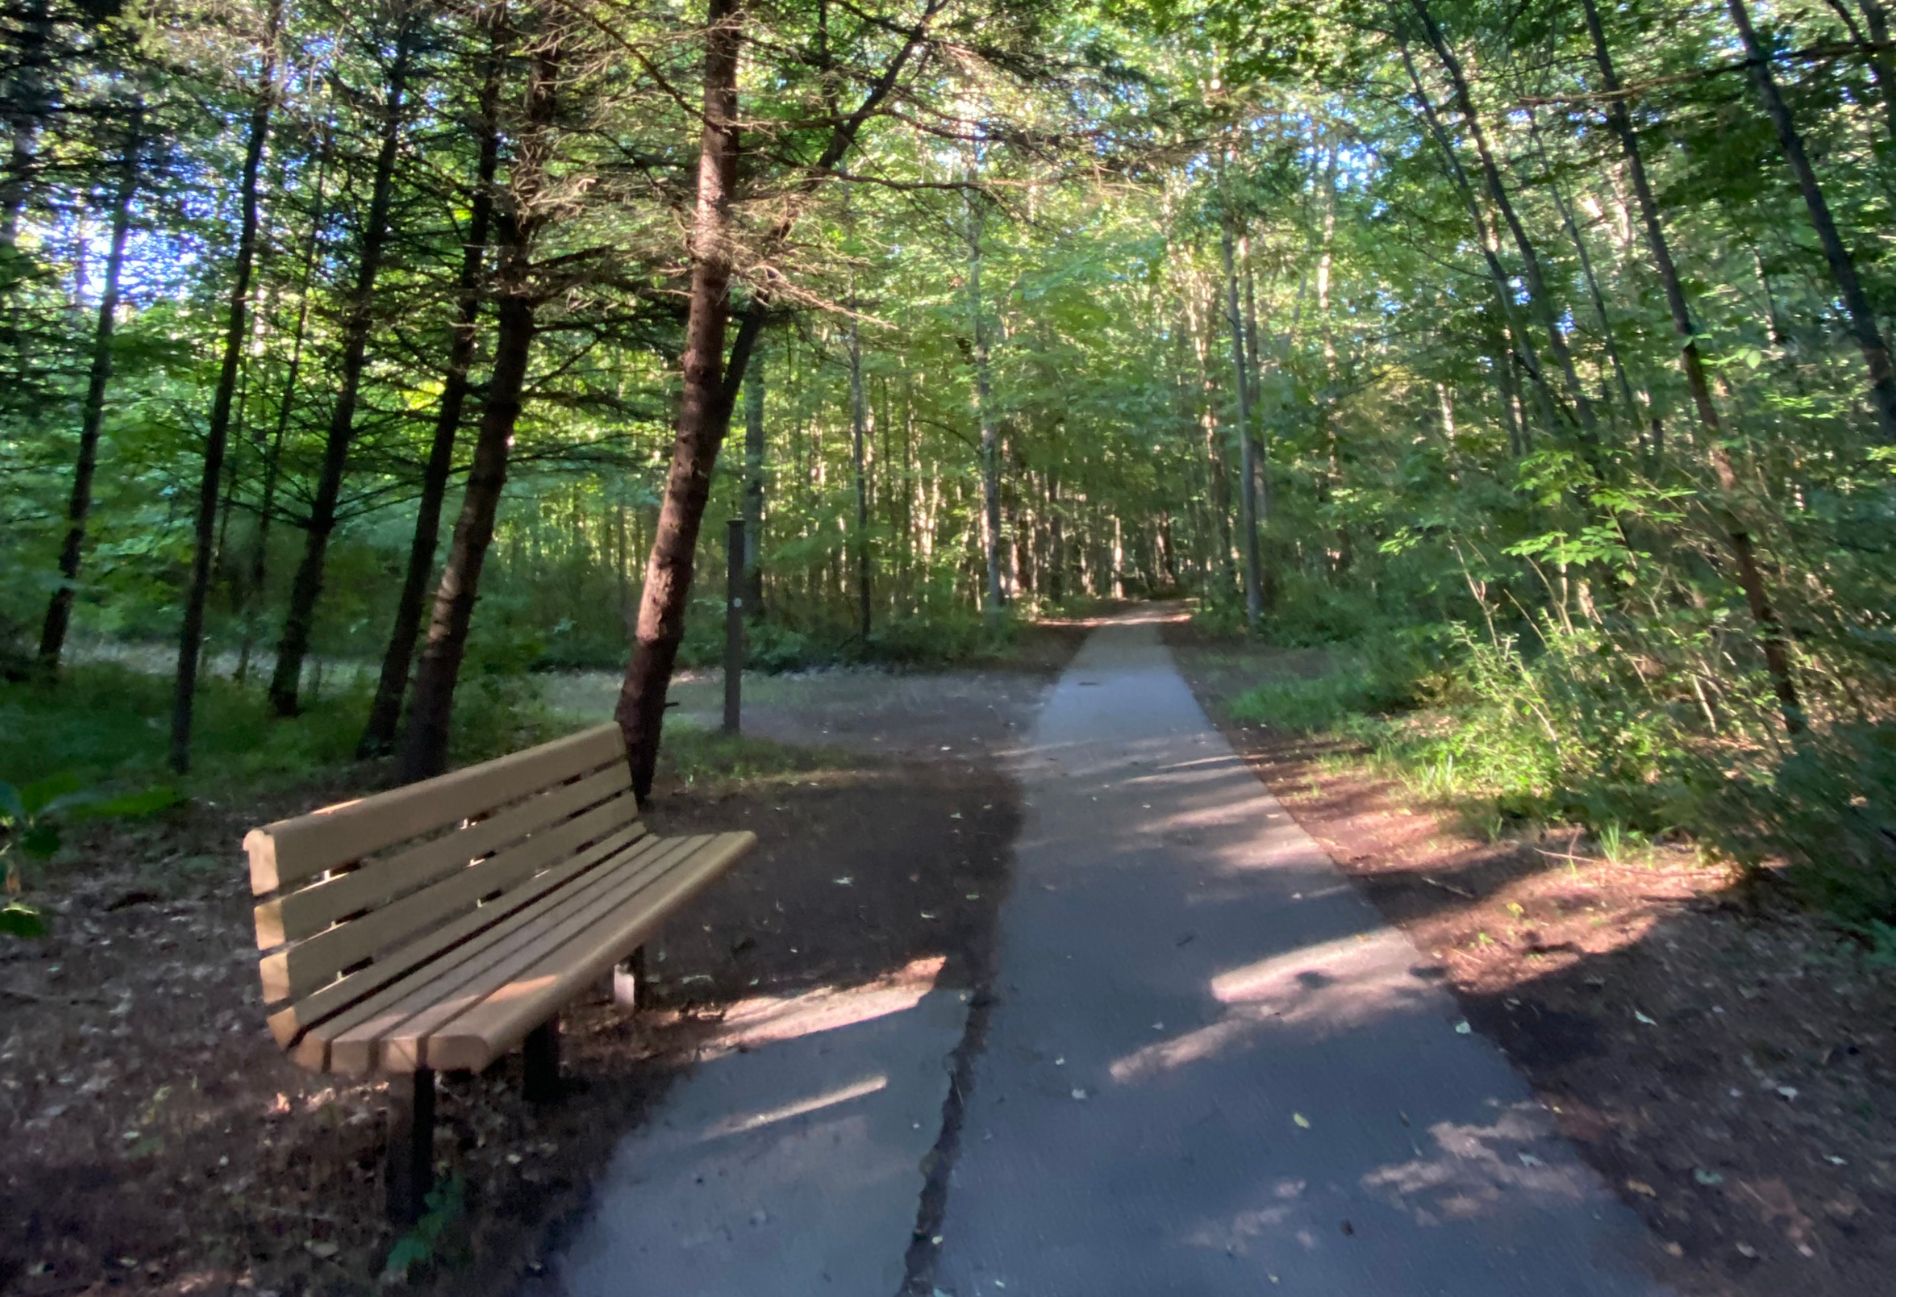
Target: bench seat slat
{"x": 463, "y": 979}
{"x": 490, "y": 1026}
{"x": 300, "y": 848}
{"x": 311, "y": 909}
{"x": 348, "y": 1042}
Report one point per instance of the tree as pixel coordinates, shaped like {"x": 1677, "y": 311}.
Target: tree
{"x": 192, "y": 623}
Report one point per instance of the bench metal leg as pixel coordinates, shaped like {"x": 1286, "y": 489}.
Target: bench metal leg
{"x": 540, "y": 1079}
{"x": 409, "y": 1145}
{"x": 630, "y": 981}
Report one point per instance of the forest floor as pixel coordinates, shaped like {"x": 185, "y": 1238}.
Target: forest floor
{"x": 1724, "y": 1059}
{"x": 162, "y": 1146}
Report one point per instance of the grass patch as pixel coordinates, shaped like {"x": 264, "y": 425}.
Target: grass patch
{"x": 697, "y": 756}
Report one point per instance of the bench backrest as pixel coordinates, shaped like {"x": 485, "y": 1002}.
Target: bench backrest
{"x": 348, "y": 884}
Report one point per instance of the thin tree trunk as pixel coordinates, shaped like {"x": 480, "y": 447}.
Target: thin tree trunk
{"x": 753, "y": 495}
{"x": 1523, "y": 350}
{"x": 1860, "y": 315}
{"x": 1249, "y": 500}
{"x": 53, "y": 631}
{"x": 383, "y": 717}
{"x": 25, "y": 110}
{"x": 193, "y": 622}
{"x": 255, "y": 585}
{"x": 1254, "y": 420}
{"x": 863, "y": 566}
{"x": 1594, "y": 292}
{"x": 1529, "y": 256}
{"x": 284, "y": 689}
{"x": 983, "y": 405}
{"x": 1773, "y": 638}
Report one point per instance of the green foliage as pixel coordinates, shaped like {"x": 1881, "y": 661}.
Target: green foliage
{"x": 1828, "y": 807}
{"x": 104, "y": 727}
{"x": 427, "y": 1240}
{"x": 1383, "y": 674}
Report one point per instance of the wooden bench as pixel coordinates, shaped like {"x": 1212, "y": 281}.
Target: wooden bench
{"x": 437, "y": 926}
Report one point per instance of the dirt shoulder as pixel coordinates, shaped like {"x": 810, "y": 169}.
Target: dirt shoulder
{"x": 1724, "y": 1060}
{"x": 162, "y": 1145}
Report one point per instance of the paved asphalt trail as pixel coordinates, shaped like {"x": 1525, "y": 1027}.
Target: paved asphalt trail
{"x": 1214, "y": 1068}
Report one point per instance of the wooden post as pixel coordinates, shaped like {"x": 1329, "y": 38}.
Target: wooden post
{"x": 409, "y": 1145}
{"x": 736, "y": 628}
{"x": 540, "y": 1060}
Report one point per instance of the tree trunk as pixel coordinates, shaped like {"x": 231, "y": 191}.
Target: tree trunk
{"x": 383, "y": 718}
{"x": 254, "y": 585}
{"x": 429, "y": 720}
{"x": 193, "y": 622}
{"x": 1860, "y": 316}
{"x": 1589, "y": 427}
{"x": 1254, "y": 417}
{"x": 704, "y": 404}
{"x": 1523, "y": 350}
{"x": 1773, "y": 638}
{"x": 53, "y": 631}
{"x": 862, "y": 564}
{"x": 284, "y": 689}
{"x": 753, "y": 494}
{"x": 1249, "y": 500}
{"x": 983, "y": 405}
{"x": 26, "y": 108}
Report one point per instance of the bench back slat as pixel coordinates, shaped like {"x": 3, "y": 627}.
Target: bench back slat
{"x": 298, "y": 914}
{"x": 309, "y": 965}
{"x": 294, "y": 850}
{"x": 358, "y": 881}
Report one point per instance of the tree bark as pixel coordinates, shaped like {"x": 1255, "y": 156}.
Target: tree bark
{"x": 1249, "y": 499}
{"x": 429, "y": 719}
{"x": 753, "y": 495}
{"x": 254, "y": 585}
{"x": 708, "y": 390}
{"x": 284, "y": 689}
{"x": 53, "y": 631}
{"x": 1773, "y": 638}
{"x": 1589, "y": 428}
{"x": 701, "y": 421}
{"x": 26, "y": 108}
{"x": 1255, "y": 418}
{"x": 1523, "y": 349}
{"x": 193, "y": 621}
{"x": 983, "y": 407}
{"x": 862, "y": 563}
{"x": 383, "y": 717}
{"x": 1860, "y": 315}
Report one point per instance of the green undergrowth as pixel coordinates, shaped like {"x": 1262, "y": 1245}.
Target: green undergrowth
{"x": 106, "y": 726}
{"x": 790, "y": 640}
{"x": 1564, "y": 728}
